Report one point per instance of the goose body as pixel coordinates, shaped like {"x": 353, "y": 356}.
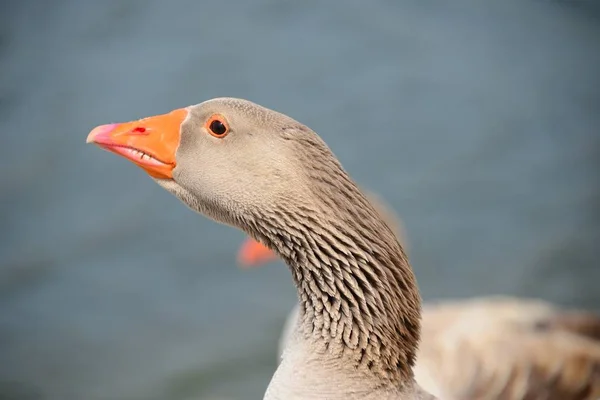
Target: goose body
{"x": 506, "y": 348}
{"x": 241, "y": 164}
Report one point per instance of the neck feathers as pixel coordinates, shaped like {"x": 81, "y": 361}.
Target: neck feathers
{"x": 358, "y": 294}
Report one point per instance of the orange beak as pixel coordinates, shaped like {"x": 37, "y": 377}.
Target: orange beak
{"x": 253, "y": 254}
{"x": 149, "y": 143}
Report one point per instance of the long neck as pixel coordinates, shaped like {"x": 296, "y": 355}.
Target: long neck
{"x": 357, "y": 292}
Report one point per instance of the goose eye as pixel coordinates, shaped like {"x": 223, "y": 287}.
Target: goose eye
{"x": 217, "y": 127}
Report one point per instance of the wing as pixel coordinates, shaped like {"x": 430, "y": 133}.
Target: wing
{"x": 483, "y": 353}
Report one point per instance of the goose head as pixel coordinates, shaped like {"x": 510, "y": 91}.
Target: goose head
{"x": 226, "y": 158}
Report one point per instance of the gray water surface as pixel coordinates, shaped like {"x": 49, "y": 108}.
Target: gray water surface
{"x": 478, "y": 121}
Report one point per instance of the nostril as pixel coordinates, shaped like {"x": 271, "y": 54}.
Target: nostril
{"x": 139, "y": 129}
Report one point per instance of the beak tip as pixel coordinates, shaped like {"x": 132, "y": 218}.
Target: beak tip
{"x": 99, "y": 132}
{"x": 253, "y": 254}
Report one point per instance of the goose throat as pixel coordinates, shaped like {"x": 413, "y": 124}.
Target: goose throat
{"x": 358, "y": 295}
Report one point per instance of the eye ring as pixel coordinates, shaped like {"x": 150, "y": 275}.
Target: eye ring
{"x": 217, "y": 126}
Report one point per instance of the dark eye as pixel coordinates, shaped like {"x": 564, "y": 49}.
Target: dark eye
{"x": 218, "y": 128}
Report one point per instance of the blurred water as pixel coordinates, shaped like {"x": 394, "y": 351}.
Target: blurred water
{"x": 478, "y": 121}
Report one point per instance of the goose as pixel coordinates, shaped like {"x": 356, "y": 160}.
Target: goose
{"x": 508, "y": 348}
{"x": 256, "y": 169}
{"x": 358, "y": 327}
